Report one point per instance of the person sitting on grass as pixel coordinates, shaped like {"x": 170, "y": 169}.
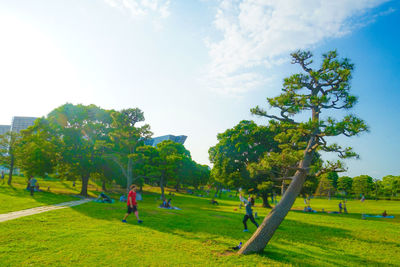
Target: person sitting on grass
{"x": 32, "y": 183}
{"x": 214, "y": 202}
{"x": 249, "y": 213}
{"x": 164, "y": 204}
{"x": 104, "y": 198}
{"x": 122, "y": 198}
{"x": 132, "y": 205}
{"x": 384, "y": 214}
{"x": 308, "y": 209}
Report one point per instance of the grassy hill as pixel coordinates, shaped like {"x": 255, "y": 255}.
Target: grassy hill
{"x": 199, "y": 234}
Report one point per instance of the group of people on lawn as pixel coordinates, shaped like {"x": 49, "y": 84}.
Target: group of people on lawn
{"x": 132, "y": 207}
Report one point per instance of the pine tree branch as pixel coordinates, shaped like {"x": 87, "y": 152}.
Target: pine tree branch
{"x": 283, "y": 178}
{"x": 259, "y": 112}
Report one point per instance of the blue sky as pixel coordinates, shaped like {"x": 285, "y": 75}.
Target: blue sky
{"x": 197, "y": 67}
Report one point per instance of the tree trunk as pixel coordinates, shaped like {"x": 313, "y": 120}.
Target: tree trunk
{"x": 162, "y": 187}
{"x": 129, "y": 175}
{"x": 266, "y": 204}
{"x": 283, "y": 188}
{"x": 103, "y": 186}
{"x": 85, "y": 182}
{"x": 266, "y": 230}
{"x": 10, "y": 174}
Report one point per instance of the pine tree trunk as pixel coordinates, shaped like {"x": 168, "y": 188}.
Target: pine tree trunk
{"x": 103, "y": 186}
{"x": 162, "y": 187}
{"x": 283, "y": 188}
{"x": 266, "y": 230}
{"x": 85, "y": 182}
{"x": 10, "y": 174}
{"x": 264, "y": 197}
{"x": 129, "y": 175}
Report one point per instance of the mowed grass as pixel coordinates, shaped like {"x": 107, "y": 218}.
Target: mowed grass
{"x": 14, "y": 197}
{"x": 200, "y": 234}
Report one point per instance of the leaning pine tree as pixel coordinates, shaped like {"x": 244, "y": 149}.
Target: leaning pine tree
{"x": 314, "y": 91}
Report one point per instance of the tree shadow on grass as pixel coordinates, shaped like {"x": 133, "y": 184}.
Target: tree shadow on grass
{"x": 20, "y": 199}
{"x": 295, "y": 242}
{"x": 191, "y": 218}
{"x": 310, "y": 257}
{"x": 355, "y": 216}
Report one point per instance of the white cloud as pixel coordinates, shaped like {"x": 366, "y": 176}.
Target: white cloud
{"x": 261, "y": 33}
{"x": 158, "y": 9}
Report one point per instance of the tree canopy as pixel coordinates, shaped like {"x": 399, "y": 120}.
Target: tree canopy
{"x": 311, "y": 92}
{"x": 235, "y": 153}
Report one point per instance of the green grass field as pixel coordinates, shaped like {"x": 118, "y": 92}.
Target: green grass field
{"x": 200, "y": 234}
{"x": 13, "y": 198}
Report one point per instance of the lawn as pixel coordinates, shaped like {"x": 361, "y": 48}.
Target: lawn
{"x": 13, "y": 198}
{"x": 200, "y": 234}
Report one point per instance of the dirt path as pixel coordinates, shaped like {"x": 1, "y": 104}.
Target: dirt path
{"x": 21, "y": 213}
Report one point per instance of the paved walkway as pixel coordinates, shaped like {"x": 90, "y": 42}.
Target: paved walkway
{"x": 21, "y": 213}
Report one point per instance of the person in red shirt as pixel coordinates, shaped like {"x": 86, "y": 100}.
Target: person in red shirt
{"x": 132, "y": 205}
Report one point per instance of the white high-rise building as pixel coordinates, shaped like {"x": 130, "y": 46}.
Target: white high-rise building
{"x": 21, "y": 123}
{"x": 4, "y": 129}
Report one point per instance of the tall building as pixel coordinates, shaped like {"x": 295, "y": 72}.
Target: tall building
{"x": 21, "y": 123}
{"x": 156, "y": 140}
{"x": 4, "y": 129}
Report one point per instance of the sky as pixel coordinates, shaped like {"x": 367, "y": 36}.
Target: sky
{"x": 197, "y": 67}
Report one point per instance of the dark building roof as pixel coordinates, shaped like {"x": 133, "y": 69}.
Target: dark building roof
{"x": 156, "y": 140}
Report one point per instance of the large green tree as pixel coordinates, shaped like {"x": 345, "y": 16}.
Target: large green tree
{"x": 325, "y": 186}
{"x": 344, "y": 184}
{"x": 172, "y": 155}
{"x": 311, "y": 92}
{"x": 81, "y": 131}
{"x": 126, "y": 136}
{"x": 235, "y": 154}
{"x": 363, "y": 184}
{"x": 8, "y": 146}
{"x": 391, "y": 185}
{"x": 162, "y": 164}
{"x": 146, "y": 164}
{"x": 37, "y": 149}
{"x": 191, "y": 173}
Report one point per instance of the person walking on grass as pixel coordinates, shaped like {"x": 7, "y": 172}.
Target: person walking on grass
{"x": 2, "y": 177}
{"x": 132, "y": 205}
{"x": 249, "y": 212}
{"x": 32, "y": 184}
